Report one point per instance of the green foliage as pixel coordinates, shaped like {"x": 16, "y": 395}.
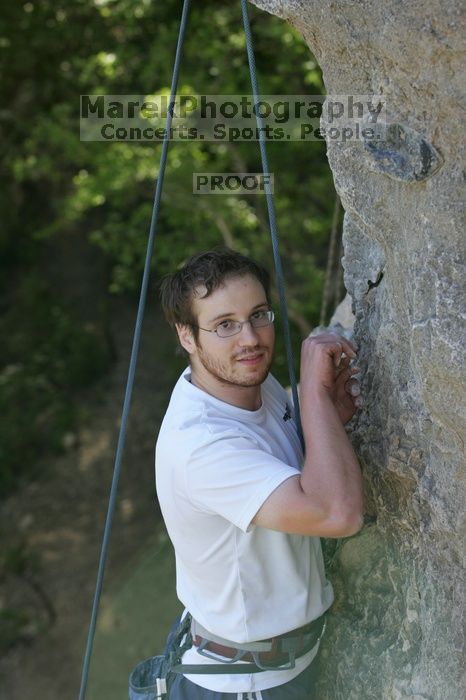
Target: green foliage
{"x": 47, "y": 357}
{"x": 13, "y": 623}
{"x": 51, "y": 183}
{"x": 20, "y": 623}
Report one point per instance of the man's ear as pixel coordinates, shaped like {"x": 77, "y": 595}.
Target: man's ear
{"x": 186, "y": 338}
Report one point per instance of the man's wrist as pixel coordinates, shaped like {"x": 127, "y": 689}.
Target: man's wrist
{"x": 315, "y": 396}
{"x": 318, "y": 413}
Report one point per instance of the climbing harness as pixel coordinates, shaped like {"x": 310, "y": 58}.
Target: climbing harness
{"x": 153, "y": 678}
{"x": 277, "y": 653}
{"x": 140, "y": 315}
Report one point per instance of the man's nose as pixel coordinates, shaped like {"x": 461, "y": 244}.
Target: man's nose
{"x": 248, "y": 334}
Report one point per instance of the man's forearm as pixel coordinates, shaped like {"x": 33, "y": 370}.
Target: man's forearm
{"x": 331, "y": 473}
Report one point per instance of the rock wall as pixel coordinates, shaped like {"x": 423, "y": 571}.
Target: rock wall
{"x": 396, "y": 627}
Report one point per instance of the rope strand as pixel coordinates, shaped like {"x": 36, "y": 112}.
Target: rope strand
{"x": 330, "y": 261}
{"x": 133, "y": 360}
{"x": 272, "y": 220}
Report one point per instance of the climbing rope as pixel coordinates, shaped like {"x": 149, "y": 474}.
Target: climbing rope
{"x": 330, "y": 264}
{"x": 134, "y": 355}
{"x": 142, "y": 303}
{"x": 272, "y": 220}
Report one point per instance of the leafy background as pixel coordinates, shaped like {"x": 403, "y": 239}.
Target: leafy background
{"x": 61, "y": 197}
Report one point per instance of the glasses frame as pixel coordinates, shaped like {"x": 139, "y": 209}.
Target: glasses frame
{"x": 270, "y": 316}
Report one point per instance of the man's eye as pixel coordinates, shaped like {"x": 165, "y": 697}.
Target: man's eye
{"x": 259, "y": 314}
{"x": 225, "y": 324}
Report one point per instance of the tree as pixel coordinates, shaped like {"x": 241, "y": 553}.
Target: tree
{"x": 55, "y": 187}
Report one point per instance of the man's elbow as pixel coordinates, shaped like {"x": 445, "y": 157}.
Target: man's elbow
{"x": 353, "y": 525}
{"x": 346, "y": 523}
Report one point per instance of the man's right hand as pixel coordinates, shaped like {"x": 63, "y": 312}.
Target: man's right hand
{"x": 322, "y": 363}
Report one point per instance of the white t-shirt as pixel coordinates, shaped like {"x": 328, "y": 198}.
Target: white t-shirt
{"x": 216, "y": 464}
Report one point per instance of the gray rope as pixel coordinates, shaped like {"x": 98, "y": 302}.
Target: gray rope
{"x": 133, "y": 360}
{"x": 330, "y": 262}
{"x": 272, "y": 220}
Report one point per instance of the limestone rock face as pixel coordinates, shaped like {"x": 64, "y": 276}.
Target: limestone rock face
{"x": 395, "y": 630}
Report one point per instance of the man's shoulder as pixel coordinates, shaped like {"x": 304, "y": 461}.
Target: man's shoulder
{"x": 194, "y": 418}
{"x": 184, "y": 402}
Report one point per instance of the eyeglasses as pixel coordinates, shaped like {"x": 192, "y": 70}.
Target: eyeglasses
{"x": 227, "y": 328}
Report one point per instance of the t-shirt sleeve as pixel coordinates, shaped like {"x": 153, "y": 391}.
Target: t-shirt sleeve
{"x": 232, "y": 477}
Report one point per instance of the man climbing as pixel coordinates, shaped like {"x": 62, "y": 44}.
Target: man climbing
{"x": 243, "y": 508}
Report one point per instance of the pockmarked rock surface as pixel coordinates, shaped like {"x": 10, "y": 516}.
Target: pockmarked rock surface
{"x": 395, "y": 630}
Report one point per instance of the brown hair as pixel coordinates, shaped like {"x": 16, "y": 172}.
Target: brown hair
{"x": 209, "y": 268}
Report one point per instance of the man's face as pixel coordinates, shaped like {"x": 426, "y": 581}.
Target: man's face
{"x": 243, "y": 359}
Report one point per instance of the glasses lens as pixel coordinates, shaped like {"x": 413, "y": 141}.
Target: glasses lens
{"x": 232, "y": 328}
{"x": 264, "y": 319}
